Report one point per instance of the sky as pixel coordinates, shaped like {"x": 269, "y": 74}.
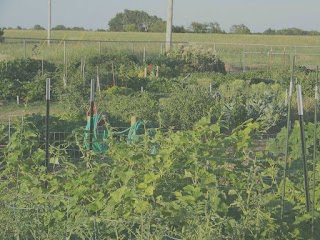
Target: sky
{"x": 258, "y": 15}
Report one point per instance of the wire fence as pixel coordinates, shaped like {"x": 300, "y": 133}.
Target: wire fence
{"x": 237, "y": 57}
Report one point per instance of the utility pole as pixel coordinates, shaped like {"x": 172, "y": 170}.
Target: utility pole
{"x": 49, "y": 21}
{"x": 169, "y": 26}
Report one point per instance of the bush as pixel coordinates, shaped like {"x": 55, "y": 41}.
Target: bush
{"x": 1, "y": 35}
{"x": 121, "y": 108}
{"x": 115, "y": 90}
{"x": 198, "y": 58}
{"x": 16, "y": 75}
{"x": 185, "y": 107}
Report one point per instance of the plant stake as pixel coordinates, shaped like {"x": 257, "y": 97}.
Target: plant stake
{"x": 91, "y": 112}
{"x": 303, "y": 143}
{"x": 314, "y": 151}
{"x": 47, "y": 121}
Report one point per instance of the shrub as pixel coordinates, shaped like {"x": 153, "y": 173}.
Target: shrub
{"x": 16, "y": 75}
{"x": 198, "y": 58}
{"x": 1, "y": 35}
{"x": 115, "y": 90}
{"x": 186, "y": 106}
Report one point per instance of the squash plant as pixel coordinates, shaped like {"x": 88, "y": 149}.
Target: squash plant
{"x": 198, "y": 184}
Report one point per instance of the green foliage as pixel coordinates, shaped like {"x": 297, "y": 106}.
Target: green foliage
{"x": 239, "y": 29}
{"x": 74, "y": 98}
{"x": 290, "y": 31}
{"x": 21, "y": 77}
{"x": 64, "y": 28}
{"x": 185, "y": 107}
{"x": 159, "y": 26}
{"x": 178, "y": 29}
{"x": 115, "y": 90}
{"x": 59, "y": 27}
{"x": 134, "y": 20}
{"x": 125, "y": 67}
{"x": 241, "y": 100}
{"x": 212, "y": 27}
{"x": 269, "y": 31}
{"x": 199, "y": 27}
{"x": 198, "y": 59}
{"x": 162, "y": 86}
{"x": 38, "y": 27}
{"x": 1, "y": 35}
{"x": 295, "y": 192}
{"x": 131, "y": 28}
{"x": 187, "y": 190}
{"x": 121, "y": 107}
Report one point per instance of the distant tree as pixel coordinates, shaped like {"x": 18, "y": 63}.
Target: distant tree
{"x": 197, "y": 27}
{"x": 101, "y": 30}
{"x": 131, "y": 28}
{"x": 38, "y": 27}
{"x": 159, "y": 26}
{"x": 179, "y": 29}
{"x": 59, "y": 27}
{"x": 313, "y": 33}
{"x": 1, "y": 35}
{"x": 142, "y": 21}
{"x": 19, "y": 28}
{"x": 214, "y": 27}
{"x": 77, "y": 29}
{"x": 240, "y": 29}
{"x": 269, "y": 31}
{"x": 291, "y": 31}
{"x": 117, "y": 24}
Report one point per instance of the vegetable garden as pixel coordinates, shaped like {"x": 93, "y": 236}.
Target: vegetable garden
{"x": 210, "y": 159}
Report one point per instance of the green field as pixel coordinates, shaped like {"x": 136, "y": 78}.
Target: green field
{"x": 177, "y": 37}
{"x": 237, "y": 51}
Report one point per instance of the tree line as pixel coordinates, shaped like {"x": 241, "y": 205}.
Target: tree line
{"x": 140, "y": 21}
{"x": 58, "y": 27}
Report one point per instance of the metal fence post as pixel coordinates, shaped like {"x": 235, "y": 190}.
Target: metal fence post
{"x": 25, "y": 48}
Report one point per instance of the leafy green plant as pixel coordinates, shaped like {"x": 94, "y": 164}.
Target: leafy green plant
{"x": 188, "y": 105}
{"x": 17, "y": 77}
{"x": 198, "y": 58}
{"x": 1, "y": 35}
{"x": 200, "y": 184}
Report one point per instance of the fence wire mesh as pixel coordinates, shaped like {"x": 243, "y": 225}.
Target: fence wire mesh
{"x": 237, "y": 57}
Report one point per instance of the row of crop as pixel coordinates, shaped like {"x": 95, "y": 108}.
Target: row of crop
{"x": 176, "y": 97}
{"x": 198, "y": 184}
{"x": 21, "y": 76}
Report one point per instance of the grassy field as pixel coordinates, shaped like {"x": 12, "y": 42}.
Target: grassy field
{"x": 237, "y": 51}
{"x": 177, "y": 37}
{"x": 12, "y": 110}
